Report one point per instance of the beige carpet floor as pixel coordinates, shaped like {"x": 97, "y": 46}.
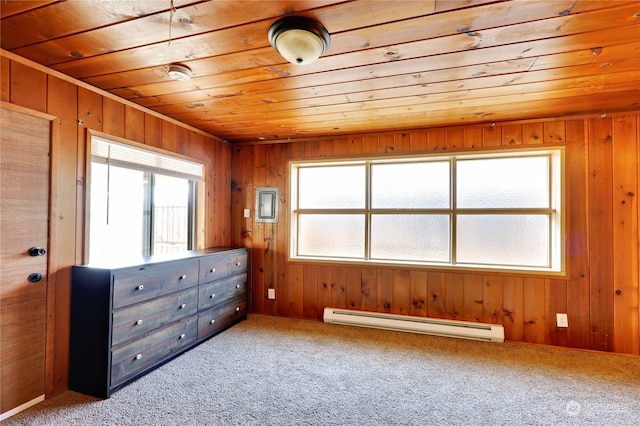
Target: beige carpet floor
{"x": 278, "y": 371}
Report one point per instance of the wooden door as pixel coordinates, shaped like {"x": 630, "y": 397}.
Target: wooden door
{"x": 24, "y": 216}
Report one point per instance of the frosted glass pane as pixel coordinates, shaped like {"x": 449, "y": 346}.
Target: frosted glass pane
{"x": 338, "y": 187}
{"x": 410, "y": 237}
{"x": 503, "y": 239}
{"x": 410, "y": 185}
{"x": 338, "y": 235}
{"x": 503, "y": 182}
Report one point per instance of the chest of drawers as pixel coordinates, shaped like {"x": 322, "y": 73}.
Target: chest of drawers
{"x": 127, "y": 320}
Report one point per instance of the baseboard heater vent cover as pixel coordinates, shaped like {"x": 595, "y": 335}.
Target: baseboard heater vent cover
{"x": 413, "y": 324}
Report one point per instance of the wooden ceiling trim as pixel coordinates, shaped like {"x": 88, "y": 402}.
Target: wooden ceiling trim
{"x": 222, "y": 42}
{"x": 62, "y": 19}
{"x": 353, "y": 41}
{"x": 483, "y": 87}
{"x": 608, "y": 83}
{"x": 10, "y": 9}
{"x": 232, "y": 26}
{"x": 593, "y": 104}
{"x": 433, "y": 82}
{"x": 418, "y": 66}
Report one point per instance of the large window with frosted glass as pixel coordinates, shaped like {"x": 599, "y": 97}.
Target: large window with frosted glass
{"x": 475, "y": 211}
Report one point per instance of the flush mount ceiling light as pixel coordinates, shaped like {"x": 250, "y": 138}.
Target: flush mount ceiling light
{"x": 299, "y": 40}
{"x": 179, "y": 72}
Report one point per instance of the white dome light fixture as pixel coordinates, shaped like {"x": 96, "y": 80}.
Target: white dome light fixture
{"x": 299, "y": 40}
{"x": 179, "y": 72}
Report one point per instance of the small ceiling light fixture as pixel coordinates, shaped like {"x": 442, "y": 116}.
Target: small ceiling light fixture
{"x": 179, "y": 72}
{"x": 299, "y": 40}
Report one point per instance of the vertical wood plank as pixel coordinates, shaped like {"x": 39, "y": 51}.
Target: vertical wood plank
{"x": 436, "y": 296}
{"x": 513, "y": 307}
{"x": 554, "y": 131}
{"x": 28, "y": 87}
{"x": 577, "y": 248}
{"x": 386, "y": 144}
{"x": 113, "y": 117}
{"x": 354, "y": 145}
{"x": 310, "y": 292}
{"x": 492, "y": 136}
{"x": 601, "y": 233}
{"x": 403, "y": 143}
{"x": 339, "y": 147}
{"x": 401, "y": 292}
{"x": 369, "y": 145}
{"x": 419, "y": 293}
{"x": 454, "y": 139}
{"x": 369, "y": 289}
{"x": 454, "y": 291}
{"x": 556, "y": 302}
{"x": 134, "y": 124}
{"x": 492, "y": 299}
{"x": 354, "y": 288}
{"x": 5, "y": 79}
{"x": 324, "y": 289}
{"x": 532, "y": 133}
{"x": 473, "y": 137}
{"x": 625, "y": 153}
{"x": 385, "y": 291}
{"x": 419, "y": 142}
{"x": 338, "y": 287}
{"x": 62, "y": 98}
{"x": 436, "y": 140}
{"x": 295, "y": 289}
{"x": 512, "y": 135}
{"x": 282, "y": 245}
{"x": 534, "y": 310}
{"x": 152, "y": 130}
{"x": 473, "y": 293}
{"x": 169, "y": 136}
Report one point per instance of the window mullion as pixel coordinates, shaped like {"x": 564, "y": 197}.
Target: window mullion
{"x": 453, "y": 215}
{"x": 367, "y": 213}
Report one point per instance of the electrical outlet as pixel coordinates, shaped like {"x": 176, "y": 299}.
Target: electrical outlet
{"x": 562, "y": 320}
{"x": 271, "y": 293}
{"x": 247, "y": 213}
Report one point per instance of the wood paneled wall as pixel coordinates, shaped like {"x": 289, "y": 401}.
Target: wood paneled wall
{"x": 78, "y": 108}
{"x": 600, "y": 295}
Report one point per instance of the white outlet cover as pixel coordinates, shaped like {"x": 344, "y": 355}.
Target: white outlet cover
{"x": 271, "y": 293}
{"x": 562, "y": 320}
{"x": 247, "y": 213}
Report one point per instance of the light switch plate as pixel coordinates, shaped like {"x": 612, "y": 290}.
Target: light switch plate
{"x": 247, "y": 213}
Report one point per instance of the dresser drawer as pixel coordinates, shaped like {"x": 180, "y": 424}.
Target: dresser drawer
{"x": 224, "y": 265}
{"x": 219, "y": 291}
{"x": 136, "y": 285}
{"x": 128, "y": 360}
{"x": 135, "y": 321}
{"x": 221, "y": 316}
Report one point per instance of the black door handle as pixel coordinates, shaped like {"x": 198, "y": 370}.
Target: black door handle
{"x": 35, "y": 277}
{"x": 37, "y": 251}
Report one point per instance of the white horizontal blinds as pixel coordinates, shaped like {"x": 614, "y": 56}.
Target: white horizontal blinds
{"x": 122, "y": 155}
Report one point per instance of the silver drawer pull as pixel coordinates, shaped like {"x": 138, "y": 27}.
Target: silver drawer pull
{"x": 139, "y": 356}
{"x": 212, "y": 270}
{"x": 182, "y": 336}
{"x": 212, "y": 296}
{"x": 139, "y": 322}
{"x": 237, "y": 308}
{"x": 183, "y": 277}
{"x": 237, "y": 285}
{"x": 183, "y": 306}
{"x": 140, "y": 287}
{"x": 212, "y": 322}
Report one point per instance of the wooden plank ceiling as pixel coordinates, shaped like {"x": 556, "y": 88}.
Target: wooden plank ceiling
{"x": 391, "y": 64}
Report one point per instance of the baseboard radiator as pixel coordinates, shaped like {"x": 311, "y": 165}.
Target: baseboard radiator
{"x": 413, "y": 324}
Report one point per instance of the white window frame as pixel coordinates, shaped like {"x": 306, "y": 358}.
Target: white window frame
{"x": 557, "y": 209}
{"x": 102, "y": 147}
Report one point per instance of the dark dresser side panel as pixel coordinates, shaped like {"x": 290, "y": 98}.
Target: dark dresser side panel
{"x": 90, "y": 338}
